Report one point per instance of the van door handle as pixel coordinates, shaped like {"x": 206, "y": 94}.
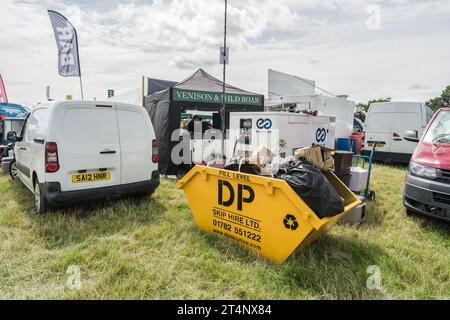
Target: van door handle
{"x": 396, "y": 137}
{"x": 22, "y": 148}
{"x": 107, "y": 151}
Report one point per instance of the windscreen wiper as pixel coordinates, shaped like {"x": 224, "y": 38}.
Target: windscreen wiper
{"x": 442, "y": 138}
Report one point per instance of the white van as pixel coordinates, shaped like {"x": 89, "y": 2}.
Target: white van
{"x": 79, "y": 150}
{"x": 387, "y": 122}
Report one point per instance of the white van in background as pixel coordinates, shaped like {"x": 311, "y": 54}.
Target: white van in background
{"x": 79, "y": 150}
{"x": 387, "y": 122}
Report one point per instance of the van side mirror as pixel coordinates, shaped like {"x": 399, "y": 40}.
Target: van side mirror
{"x": 411, "y": 135}
{"x": 11, "y": 136}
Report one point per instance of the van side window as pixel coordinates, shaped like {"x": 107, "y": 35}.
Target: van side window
{"x": 36, "y": 124}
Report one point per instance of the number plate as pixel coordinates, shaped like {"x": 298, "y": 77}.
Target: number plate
{"x": 379, "y": 146}
{"x": 91, "y": 177}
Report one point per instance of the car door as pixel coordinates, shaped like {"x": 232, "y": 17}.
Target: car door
{"x": 401, "y": 123}
{"x": 22, "y": 155}
{"x": 136, "y": 136}
{"x": 88, "y": 145}
{"x": 379, "y": 128}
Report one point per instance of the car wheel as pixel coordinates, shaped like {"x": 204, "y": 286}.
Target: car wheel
{"x": 13, "y": 172}
{"x": 40, "y": 203}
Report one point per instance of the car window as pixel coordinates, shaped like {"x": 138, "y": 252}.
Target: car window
{"x": 37, "y": 124}
{"x": 439, "y": 130}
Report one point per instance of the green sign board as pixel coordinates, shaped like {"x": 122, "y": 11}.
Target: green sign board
{"x": 215, "y": 97}
{"x": 110, "y": 93}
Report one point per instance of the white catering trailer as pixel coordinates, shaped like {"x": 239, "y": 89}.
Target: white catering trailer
{"x": 287, "y": 91}
{"x": 249, "y": 131}
{"x": 339, "y": 107}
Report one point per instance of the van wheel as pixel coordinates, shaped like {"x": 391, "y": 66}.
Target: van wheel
{"x": 40, "y": 203}
{"x": 13, "y": 172}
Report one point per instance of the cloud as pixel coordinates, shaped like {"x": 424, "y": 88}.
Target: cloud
{"x": 189, "y": 64}
{"x": 323, "y": 40}
{"x": 419, "y": 86}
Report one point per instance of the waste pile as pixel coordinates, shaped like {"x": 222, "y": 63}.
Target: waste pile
{"x": 302, "y": 172}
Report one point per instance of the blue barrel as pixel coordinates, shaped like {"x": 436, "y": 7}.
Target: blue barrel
{"x": 344, "y": 144}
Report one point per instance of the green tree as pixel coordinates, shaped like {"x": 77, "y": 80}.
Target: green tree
{"x": 441, "y": 101}
{"x": 362, "y": 108}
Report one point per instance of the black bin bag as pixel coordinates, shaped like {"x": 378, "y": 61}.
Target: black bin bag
{"x": 314, "y": 188}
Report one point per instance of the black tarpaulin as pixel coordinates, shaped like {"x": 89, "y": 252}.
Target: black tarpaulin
{"x": 201, "y": 92}
{"x": 156, "y": 85}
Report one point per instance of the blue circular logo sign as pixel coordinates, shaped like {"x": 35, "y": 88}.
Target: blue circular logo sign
{"x": 264, "y": 123}
{"x": 321, "y": 135}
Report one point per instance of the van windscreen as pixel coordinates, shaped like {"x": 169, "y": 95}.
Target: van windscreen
{"x": 439, "y": 131}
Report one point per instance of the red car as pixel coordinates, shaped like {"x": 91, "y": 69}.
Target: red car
{"x": 427, "y": 184}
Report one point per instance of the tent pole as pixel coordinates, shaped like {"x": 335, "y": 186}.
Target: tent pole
{"x": 225, "y": 60}
{"x": 142, "y": 91}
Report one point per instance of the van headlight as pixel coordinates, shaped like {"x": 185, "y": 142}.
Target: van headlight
{"x": 422, "y": 171}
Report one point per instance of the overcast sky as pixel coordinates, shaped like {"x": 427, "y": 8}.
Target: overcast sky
{"x": 405, "y": 54}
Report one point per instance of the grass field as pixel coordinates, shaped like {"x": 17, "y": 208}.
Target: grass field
{"x": 150, "y": 248}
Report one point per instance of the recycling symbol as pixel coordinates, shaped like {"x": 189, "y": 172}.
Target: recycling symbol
{"x": 290, "y": 222}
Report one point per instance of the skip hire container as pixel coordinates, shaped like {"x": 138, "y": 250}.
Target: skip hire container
{"x": 264, "y": 214}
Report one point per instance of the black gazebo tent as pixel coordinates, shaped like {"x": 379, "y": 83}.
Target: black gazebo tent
{"x": 201, "y": 92}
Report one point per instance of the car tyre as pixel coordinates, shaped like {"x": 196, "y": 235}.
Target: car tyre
{"x": 13, "y": 171}
{"x": 40, "y": 203}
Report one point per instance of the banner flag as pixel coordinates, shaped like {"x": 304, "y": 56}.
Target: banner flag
{"x": 3, "y": 96}
{"x": 67, "y": 43}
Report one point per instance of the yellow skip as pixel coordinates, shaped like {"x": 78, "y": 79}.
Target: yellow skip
{"x": 263, "y": 214}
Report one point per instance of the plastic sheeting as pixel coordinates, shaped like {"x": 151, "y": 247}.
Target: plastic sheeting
{"x": 314, "y": 188}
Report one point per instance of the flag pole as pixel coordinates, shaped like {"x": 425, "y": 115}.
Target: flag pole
{"x": 79, "y": 63}
{"x": 81, "y": 87}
